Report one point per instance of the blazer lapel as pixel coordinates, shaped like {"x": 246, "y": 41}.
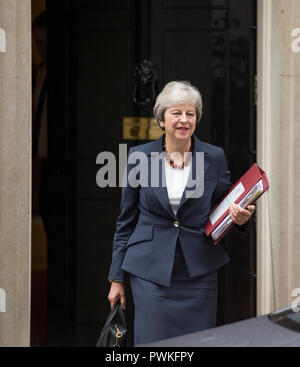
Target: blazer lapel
{"x": 161, "y": 190}
{"x": 198, "y": 147}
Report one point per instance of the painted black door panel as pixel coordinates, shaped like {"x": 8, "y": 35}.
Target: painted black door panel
{"x": 209, "y": 42}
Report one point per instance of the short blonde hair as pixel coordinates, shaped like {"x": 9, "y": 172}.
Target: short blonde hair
{"x": 175, "y": 93}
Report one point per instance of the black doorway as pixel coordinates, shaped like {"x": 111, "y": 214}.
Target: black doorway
{"x": 93, "y": 49}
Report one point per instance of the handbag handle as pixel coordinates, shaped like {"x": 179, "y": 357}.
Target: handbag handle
{"x": 122, "y": 316}
{"x": 117, "y": 307}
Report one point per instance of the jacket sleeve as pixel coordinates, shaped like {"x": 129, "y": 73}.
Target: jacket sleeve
{"x": 125, "y": 224}
{"x": 224, "y": 185}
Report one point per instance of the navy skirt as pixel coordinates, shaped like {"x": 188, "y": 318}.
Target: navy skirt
{"x": 188, "y": 305}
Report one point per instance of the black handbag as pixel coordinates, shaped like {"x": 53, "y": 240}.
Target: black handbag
{"x": 114, "y": 334}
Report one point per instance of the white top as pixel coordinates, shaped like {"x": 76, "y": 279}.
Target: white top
{"x": 176, "y": 180}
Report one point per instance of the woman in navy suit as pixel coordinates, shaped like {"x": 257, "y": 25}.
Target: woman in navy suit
{"x": 160, "y": 239}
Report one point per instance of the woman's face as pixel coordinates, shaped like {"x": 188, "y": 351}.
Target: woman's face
{"x": 180, "y": 122}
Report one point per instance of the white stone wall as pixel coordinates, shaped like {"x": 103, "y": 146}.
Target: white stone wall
{"x": 278, "y": 138}
{"x": 15, "y": 173}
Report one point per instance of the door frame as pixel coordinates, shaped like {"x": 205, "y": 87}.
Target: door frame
{"x": 268, "y": 102}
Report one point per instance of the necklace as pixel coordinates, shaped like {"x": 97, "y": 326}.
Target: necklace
{"x": 171, "y": 161}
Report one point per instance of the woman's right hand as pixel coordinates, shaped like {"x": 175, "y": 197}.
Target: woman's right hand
{"x": 117, "y": 292}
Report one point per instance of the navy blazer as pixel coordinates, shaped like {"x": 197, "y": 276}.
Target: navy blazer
{"x": 147, "y": 229}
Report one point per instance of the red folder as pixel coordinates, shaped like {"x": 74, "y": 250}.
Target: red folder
{"x": 253, "y": 177}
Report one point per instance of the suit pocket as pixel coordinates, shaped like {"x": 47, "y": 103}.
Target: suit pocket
{"x": 141, "y": 233}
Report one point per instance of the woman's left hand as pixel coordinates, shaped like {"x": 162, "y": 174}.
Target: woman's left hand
{"x": 239, "y": 215}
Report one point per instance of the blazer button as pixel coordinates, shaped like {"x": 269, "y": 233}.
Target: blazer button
{"x": 175, "y": 223}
